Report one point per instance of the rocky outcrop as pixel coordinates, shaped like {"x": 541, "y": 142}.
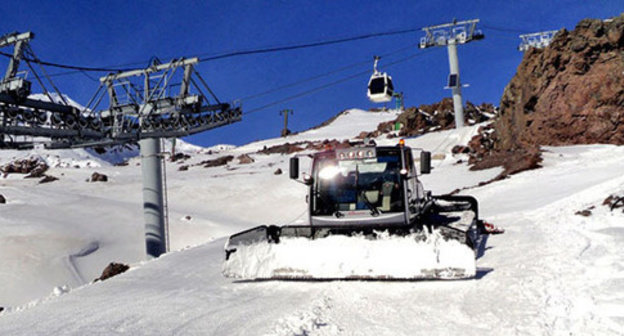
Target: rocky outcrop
{"x": 98, "y": 177}
{"x": 289, "y": 148}
{"x": 245, "y": 159}
{"x": 2, "y": 199}
{"x": 571, "y": 92}
{"x": 48, "y": 179}
{"x": 220, "y": 161}
{"x": 434, "y": 117}
{"x": 179, "y": 157}
{"x": 111, "y": 270}
{"x": 33, "y": 166}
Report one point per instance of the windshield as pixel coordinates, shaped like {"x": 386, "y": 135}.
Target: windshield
{"x": 377, "y": 85}
{"x": 368, "y": 184}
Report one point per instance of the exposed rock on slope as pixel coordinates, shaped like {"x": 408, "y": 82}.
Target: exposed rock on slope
{"x": 113, "y": 269}
{"x": 571, "y": 92}
{"x": 438, "y": 116}
{"x": 33, "y": 166}
{"x": 289, "y": 148}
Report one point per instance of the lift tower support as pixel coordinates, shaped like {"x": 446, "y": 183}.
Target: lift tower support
{"x": 154, "y": 114}
{"x": 538, "y": 40}
{"x": 143, "y": 108}
{"x": 285, "y": 112}
{"x": 450, "y": 35}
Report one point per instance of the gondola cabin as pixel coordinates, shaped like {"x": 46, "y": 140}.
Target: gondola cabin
{"x": 380, "y": 88}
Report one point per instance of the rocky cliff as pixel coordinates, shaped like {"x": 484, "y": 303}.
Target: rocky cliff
{"x": 571, "y": 92}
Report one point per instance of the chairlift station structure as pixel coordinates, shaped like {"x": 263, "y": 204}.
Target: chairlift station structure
{"x": 164, "y": 100}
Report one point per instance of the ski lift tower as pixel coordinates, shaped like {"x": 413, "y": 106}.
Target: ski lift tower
{"x": 536, "y": 40}
{"x": 164, "y": 100}
{"x": 450, "y": 35}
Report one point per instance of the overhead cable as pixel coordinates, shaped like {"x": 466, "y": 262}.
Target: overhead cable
{"x": 329, "y": 73}
{"x": 308, "y": 45}
{"x": 234, "y": 53}
{"x": 66, "y": 66}
{"x": 330, "y": 84}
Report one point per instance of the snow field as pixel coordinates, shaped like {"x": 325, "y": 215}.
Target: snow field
{"x": 551, "y": 273}
{"x": 346, "y": 126}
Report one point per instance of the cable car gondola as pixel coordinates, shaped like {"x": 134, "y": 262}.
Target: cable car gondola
{"x": 380, "y": 88}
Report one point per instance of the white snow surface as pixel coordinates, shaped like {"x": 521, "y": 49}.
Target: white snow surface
{"x": 334, "y": 257}
{"x": 347, "y": 125}
{"x": 551, "y": 273}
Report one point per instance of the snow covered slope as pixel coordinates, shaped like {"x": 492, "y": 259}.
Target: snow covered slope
{"x": 347, "y": 125}
{"x": 552, "y": 272}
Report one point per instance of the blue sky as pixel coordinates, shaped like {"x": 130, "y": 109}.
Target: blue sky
{"x": 109, "y": 33}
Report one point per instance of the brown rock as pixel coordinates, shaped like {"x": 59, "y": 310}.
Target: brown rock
{"x": 245, "y": 159}
{"x": 32, "y": 166}
{"x": 2, "y": 199}
{"x": 111, "y": 270}
{"x": 286, "y": 148}
{"x": 48, "y": 179}
{"x": 180, "y": 156}
{"x": 513, "y": 162}
{"x": 97, "y": 177}
{"x": 584, "y": 213}
{"x": 364, "y": 135}
{"x": 459, "y": 149}
{"x": 278, "y": 172}
{"x": 221, "y": 161}
{"x": 183, "y": 168}
{"x": 614, "y": 202}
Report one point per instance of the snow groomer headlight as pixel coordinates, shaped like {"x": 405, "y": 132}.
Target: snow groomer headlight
{"x": 329, "y": 172}
{"x": 356, "y": 153}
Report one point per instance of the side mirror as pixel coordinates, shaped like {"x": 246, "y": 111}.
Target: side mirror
{"x": 294, "y": 168}
{"x": 425, "y": 162}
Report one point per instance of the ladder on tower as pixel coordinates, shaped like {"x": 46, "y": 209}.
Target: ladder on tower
{"x": 163, "y": 163}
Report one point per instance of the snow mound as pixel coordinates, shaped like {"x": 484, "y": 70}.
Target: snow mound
{"x": 337, "y": 257}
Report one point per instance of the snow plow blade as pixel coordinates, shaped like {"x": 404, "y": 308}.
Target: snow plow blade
{"x": 289, "y": 252}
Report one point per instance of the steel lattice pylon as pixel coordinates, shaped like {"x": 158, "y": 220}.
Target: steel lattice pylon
{"x": 538, "y": 40}
{"x": 143, "y": 108}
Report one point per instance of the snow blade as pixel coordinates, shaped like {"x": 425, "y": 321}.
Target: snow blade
{"x": 414, "y": 256}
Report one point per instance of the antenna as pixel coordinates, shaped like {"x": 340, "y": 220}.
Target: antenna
{"x": 538, "y": 40}
{"x": 450, "y": 35}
